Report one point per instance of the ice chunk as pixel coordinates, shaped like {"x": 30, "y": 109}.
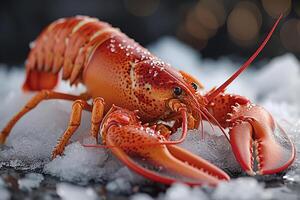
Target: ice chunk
{"x": 4, "y": 193}
{"x": 78, "y": 163}
{"x": 71, "y": 192}
{"x": 213, "y": 147}
{"x": 282, "y": 193}
{"x": 293, "y": 176}
{"x": 119, "y": 186}
{"x": 30, "y": 181}
{"x": 241, "y": 189}
{"x": 127, "y": 174}
{"x": 180, "y": 191}
{"x": 141, "y": 196}
{"x": 2, "y": 183}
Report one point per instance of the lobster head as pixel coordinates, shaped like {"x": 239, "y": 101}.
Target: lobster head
{"x": 161, "y": 90}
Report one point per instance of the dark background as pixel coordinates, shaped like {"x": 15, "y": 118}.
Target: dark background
{"x": 213, "y": 27}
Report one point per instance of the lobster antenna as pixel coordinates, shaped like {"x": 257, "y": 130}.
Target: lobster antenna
{"x": 221, "y": 88}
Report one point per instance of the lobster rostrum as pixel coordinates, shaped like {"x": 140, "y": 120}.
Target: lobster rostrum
{"x": 133, "y": 91}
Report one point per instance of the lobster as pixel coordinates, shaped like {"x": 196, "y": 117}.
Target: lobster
{"x": 134, "y": 94}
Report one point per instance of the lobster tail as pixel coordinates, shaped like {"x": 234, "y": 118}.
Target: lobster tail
{"x": 65, "y": 45}
{"x": 38, "y": 80}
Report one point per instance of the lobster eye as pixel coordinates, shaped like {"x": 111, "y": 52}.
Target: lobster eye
{"x": 177, "y": 91}
{"x": 195, "y": 86}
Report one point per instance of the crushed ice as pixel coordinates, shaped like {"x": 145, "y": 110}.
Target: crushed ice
{"x": 30, "y": 181}
{"x": 4, "y": 193}
{"x": 276, "y": 87}
{"x": 67, "y": 191}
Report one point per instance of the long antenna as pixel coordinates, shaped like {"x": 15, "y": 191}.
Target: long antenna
{"x": 221, "y": 88}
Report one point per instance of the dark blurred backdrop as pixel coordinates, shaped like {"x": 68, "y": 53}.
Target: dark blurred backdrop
{"x": 213, "y": 27}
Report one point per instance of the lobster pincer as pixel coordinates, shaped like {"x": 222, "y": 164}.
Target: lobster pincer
{"x": 145, "y": 150}
{"x": 259, "y": 144}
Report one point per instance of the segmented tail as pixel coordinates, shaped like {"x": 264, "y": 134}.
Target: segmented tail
{"x": 65, "y": 44}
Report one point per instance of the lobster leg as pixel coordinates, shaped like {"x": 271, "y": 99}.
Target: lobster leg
{"x": 97, "y": 115}
{"x": 78, "y": 106}
{"x": 74, "y": 123}
{"x": 32, "y": 103}
{"x": 143, "y": 150}
{"x": 258, "y": 142}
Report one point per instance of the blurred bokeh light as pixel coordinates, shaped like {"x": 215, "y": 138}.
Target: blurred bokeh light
{"x": 214, "y": 27}
{"x": 276, "y": 7}
{"x": 290, "y": 35}
{"x": 244, "y": 23}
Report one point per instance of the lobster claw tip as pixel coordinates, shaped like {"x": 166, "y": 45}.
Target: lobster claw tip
{"x": 261, "y": 148}
{"x": 169, "y": 163}
{"x": 142, "y": 149}
{"x": 209, "y": 171}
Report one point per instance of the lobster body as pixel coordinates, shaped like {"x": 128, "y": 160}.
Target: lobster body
{"x": 106, "y": 61}
{"x": 122, "y": 72}
{"x": 131, "y": 88}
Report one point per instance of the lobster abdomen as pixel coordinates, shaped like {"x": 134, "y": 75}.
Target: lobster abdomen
{"x": 65, "y": 44}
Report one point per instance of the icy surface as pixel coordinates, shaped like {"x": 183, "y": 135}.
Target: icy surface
{"x": 79, "y": 163}
{"x": 4, "y": 193}
{"x": 241, "y": 188}
{"x": 120, "y": 186}
{"x": 29, "y": 146}
{"x": 70, "y": 192}
{"x": 30, "y": 181}
{"x": 237, "y": 189}
{"x": 179, "y": 191}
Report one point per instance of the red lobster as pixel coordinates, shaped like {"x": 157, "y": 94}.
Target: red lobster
{"x": 139, "y": 91}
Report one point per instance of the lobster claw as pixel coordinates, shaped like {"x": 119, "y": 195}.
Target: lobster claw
{"x": 140, "y": 149}
{"x": 260, "y": 145}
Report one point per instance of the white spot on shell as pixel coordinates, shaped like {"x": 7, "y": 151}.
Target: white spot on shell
{"x": 148, "y": 85}
{"x": 132, "y": 75}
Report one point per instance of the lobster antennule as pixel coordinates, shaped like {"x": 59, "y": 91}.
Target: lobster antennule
{"x": 184, "y": 129}
{"x": 221, "y": 88}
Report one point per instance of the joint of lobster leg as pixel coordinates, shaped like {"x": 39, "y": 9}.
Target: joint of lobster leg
{"x": 97, "y": 116}
{"x": 191, "y": 121}
{"x": 177, "y": 106}
{"x": 163, "y": 130}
